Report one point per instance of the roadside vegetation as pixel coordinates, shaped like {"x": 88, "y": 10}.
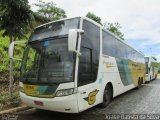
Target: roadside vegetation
{"x": 5, "y": 101}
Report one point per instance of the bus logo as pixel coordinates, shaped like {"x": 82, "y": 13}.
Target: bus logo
{"x": 91, "y": 99}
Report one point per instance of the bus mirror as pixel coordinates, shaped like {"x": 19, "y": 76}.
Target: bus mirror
{"x": 72, "y": 39}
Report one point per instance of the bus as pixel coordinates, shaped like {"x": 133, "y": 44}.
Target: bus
{"x": 71, "y": 65}
{"x": 151, "y": 68}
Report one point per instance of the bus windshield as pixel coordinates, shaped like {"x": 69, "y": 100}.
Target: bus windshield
{"x": 47, "y": 62}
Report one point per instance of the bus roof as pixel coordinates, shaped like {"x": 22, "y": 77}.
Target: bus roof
{"x": 97, "y": 24}
{"x": 55, "y": 21}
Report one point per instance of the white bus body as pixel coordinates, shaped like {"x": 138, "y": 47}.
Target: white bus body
{"x": 151, "y": 68}
{"x": 102, "y": 67}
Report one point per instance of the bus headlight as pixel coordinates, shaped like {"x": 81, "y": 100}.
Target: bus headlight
{"x": 65, "y": 92}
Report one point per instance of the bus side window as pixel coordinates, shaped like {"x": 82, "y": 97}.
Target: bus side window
{"x": 85, "y": 67}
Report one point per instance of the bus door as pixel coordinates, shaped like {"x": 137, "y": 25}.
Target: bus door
{"x": 87, "y": 90}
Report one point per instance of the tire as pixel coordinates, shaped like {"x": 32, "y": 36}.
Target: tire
{"x": 141, "y": 81}
{"x": 39, "y": 110}
{"x": 149, "y": 79}
{"x": 107, "y": 96}
{"x": 155, "y": 76}
{"x": 139, "y": 84}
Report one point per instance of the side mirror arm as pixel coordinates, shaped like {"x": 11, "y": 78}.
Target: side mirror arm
{"x": 80, "y": 31}
{"x": 79, "y": 54}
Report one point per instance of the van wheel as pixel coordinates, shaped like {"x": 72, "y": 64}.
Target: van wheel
{"x": 107, "y": 96}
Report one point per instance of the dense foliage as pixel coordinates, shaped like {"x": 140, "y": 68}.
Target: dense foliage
{"x": 114, "y": 28}
{"x": 94, "y": 17}
{"x": 48, "y": 12}
{"x": 4, "y": 59}
{"x": 15, "y": 18}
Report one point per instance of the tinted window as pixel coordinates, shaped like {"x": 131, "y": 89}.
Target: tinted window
{"x": 109, "y": 44}
{"x": 90, "y": 49}
{"x": 121, "y": 50}
{"x": 113, "y": 47}
{"x": 85, "y": 66}
{"x": 91, "y": 36}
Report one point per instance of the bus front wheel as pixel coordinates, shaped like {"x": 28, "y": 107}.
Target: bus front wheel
{"x": 107, "y": 96}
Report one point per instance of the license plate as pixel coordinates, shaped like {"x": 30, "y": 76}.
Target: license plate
{"x": 38, "y": 103}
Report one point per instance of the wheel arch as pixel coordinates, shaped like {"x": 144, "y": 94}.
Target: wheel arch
{"x": 111, "y": 86}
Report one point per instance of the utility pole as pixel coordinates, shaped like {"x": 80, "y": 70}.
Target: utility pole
{"x": 12, "y": 59}
{"x": 11, "y": 78}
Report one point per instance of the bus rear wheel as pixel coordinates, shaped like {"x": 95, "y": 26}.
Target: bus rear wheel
{"x": 107, "y": 97}
{"x": 155, "y": 76}
{"x": 139, "y": 83}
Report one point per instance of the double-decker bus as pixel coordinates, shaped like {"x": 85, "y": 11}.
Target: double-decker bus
{"x": 71, "y": 65}
{"x": 151, "y": 68}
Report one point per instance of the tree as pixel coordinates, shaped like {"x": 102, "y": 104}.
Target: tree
{"x": 114, "y": 28}
{"x": 94, "y": 17}
{"x": 48, "y": 12}
{"x": 15, "y": 17}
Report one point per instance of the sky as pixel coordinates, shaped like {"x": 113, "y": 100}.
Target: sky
{"x": 139, "y": 19}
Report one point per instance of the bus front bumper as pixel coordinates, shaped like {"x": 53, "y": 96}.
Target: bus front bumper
{"x": 66, "y": 104}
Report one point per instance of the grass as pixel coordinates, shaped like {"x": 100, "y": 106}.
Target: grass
{"x": 7, "y": 102}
